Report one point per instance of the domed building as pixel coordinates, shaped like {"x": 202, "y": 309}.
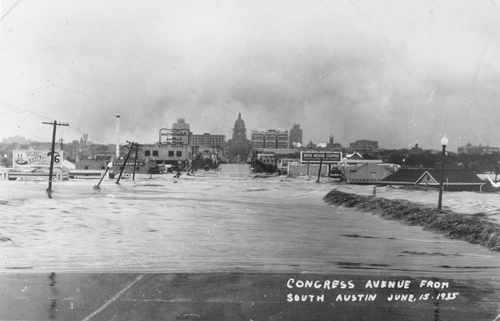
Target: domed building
{"x": 239, "y": 147}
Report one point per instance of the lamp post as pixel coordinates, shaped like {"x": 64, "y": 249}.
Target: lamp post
{"x": 444, "y": 142}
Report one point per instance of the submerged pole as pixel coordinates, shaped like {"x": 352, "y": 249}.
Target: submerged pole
{"x": 195, "y": 162}
{"x": 135, "y": 159}
{"x": 440, "y": 199}
{"x": 53, "y": 152}
{"x": 180, "y": 170}
{"x": 51, "y": 170}
{"x": 319, "y": 171}
{"x": 123, "y": 167}
{"x": 105, "y": 172}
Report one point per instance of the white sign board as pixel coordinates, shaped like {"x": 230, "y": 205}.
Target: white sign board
{"x": 174, "y": 136}
{"x": 33, "y": 158}
{"x": 317, "y": 157}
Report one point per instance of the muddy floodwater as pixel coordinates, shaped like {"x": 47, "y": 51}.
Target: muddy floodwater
{"x": 225, "y": 221}
{"x": 220, "y": 244}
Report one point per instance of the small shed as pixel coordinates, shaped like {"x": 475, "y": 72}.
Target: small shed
{"x": 453, "y": 180}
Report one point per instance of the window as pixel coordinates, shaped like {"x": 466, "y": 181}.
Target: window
{"x": 86, "y": 167}
{"x": 137, "y": 168}
{"x": 155, "y": 153}
{"x": 103, "y": 167}
{"x": 171, "y": 153}
{"x": 179, "y": 153}
{"x": 147, "y": 153}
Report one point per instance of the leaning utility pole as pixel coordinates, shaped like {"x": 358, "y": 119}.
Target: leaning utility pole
{"x": 55, "y": 123}
{"x": 136, "y": 154}
{"x": 126, "y": 160}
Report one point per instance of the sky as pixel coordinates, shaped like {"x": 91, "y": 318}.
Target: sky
{"x": 396, "y": 71}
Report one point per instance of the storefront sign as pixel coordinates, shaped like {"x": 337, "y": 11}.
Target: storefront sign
{"x": 128, "y": 164}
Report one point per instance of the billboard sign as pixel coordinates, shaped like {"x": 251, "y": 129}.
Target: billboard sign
{"x": 34, "y": 158}
{"x": 174, "y": 136}
{"x": 315, "y": 157}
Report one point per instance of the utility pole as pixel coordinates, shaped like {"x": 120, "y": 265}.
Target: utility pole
{"x": 136, "y": 154}
{"x": 51, "y": 171}
{"x": 319, "y": 170}
{"x": 126, "y": 159}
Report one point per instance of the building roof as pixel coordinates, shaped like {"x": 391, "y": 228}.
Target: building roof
{"x": 456, "y": 176}
{"x": 409, "y": 176}
{"x": 432, "y": 177}
{"x": 354, "y": 155}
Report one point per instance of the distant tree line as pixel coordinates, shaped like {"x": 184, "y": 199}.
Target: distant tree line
{"x": 428, "y": 159}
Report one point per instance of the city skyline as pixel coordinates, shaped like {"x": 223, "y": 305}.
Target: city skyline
{"x": 398, "y": 72}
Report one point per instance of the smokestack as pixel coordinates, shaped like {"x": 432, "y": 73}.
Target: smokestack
{"x": 117, "y": 136}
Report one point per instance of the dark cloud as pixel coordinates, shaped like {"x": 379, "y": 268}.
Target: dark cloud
{"x": 393, "y": 72}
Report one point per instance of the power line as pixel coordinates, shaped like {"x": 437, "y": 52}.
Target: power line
{"x": 27, "y": 113}
{"x": 5, "y": 15}
{"x": 22, "y": 111}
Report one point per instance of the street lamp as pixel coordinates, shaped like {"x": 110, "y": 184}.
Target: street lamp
{"x": 444, "y": 142}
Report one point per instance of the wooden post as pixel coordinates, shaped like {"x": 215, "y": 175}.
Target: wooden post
{"x": 319, "y": 170}
{"x": 440, "y": 198}
{"x": 52, "y": 154}
{"x": 97, "y": 186}
{"x": 123, "y": 167}
{"x": 135, "y": 159}
{"x": 51, "y": 170}
{"x": 179, "y": 172}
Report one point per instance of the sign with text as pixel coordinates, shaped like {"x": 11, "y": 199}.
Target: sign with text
{"x": 315, "y": 157}
{"x": 33, "y": 158}
{"x": 118, "y": 163}
{"x": 256, "y": 296}
{"x": 174, "y": 136}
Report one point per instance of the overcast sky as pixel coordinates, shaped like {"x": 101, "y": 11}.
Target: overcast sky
{"x": 399, "y": 72}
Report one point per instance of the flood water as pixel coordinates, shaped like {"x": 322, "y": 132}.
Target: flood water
{"x": 227, "y": 221}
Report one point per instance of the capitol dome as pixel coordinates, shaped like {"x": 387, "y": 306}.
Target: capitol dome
{"x": 239, "y": 123}
{"x": 239, "y": 129}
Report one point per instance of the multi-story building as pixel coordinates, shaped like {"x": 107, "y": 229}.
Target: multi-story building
{"x": 364, "y": 145}
{"x": 270, "y": 139}
{"x": 282, "y": 140}
{"x": 477, "y": 150}
{"x": 295, "y": 136}
{"x": 257, "y": 139}
{"x": 181, "y": 124}
{"x": 208, "y": 140}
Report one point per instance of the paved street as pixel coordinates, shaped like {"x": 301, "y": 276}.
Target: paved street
{"x": 230, "y": 296}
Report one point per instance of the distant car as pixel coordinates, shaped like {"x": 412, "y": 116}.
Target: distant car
{"x": 336, "y": 173}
